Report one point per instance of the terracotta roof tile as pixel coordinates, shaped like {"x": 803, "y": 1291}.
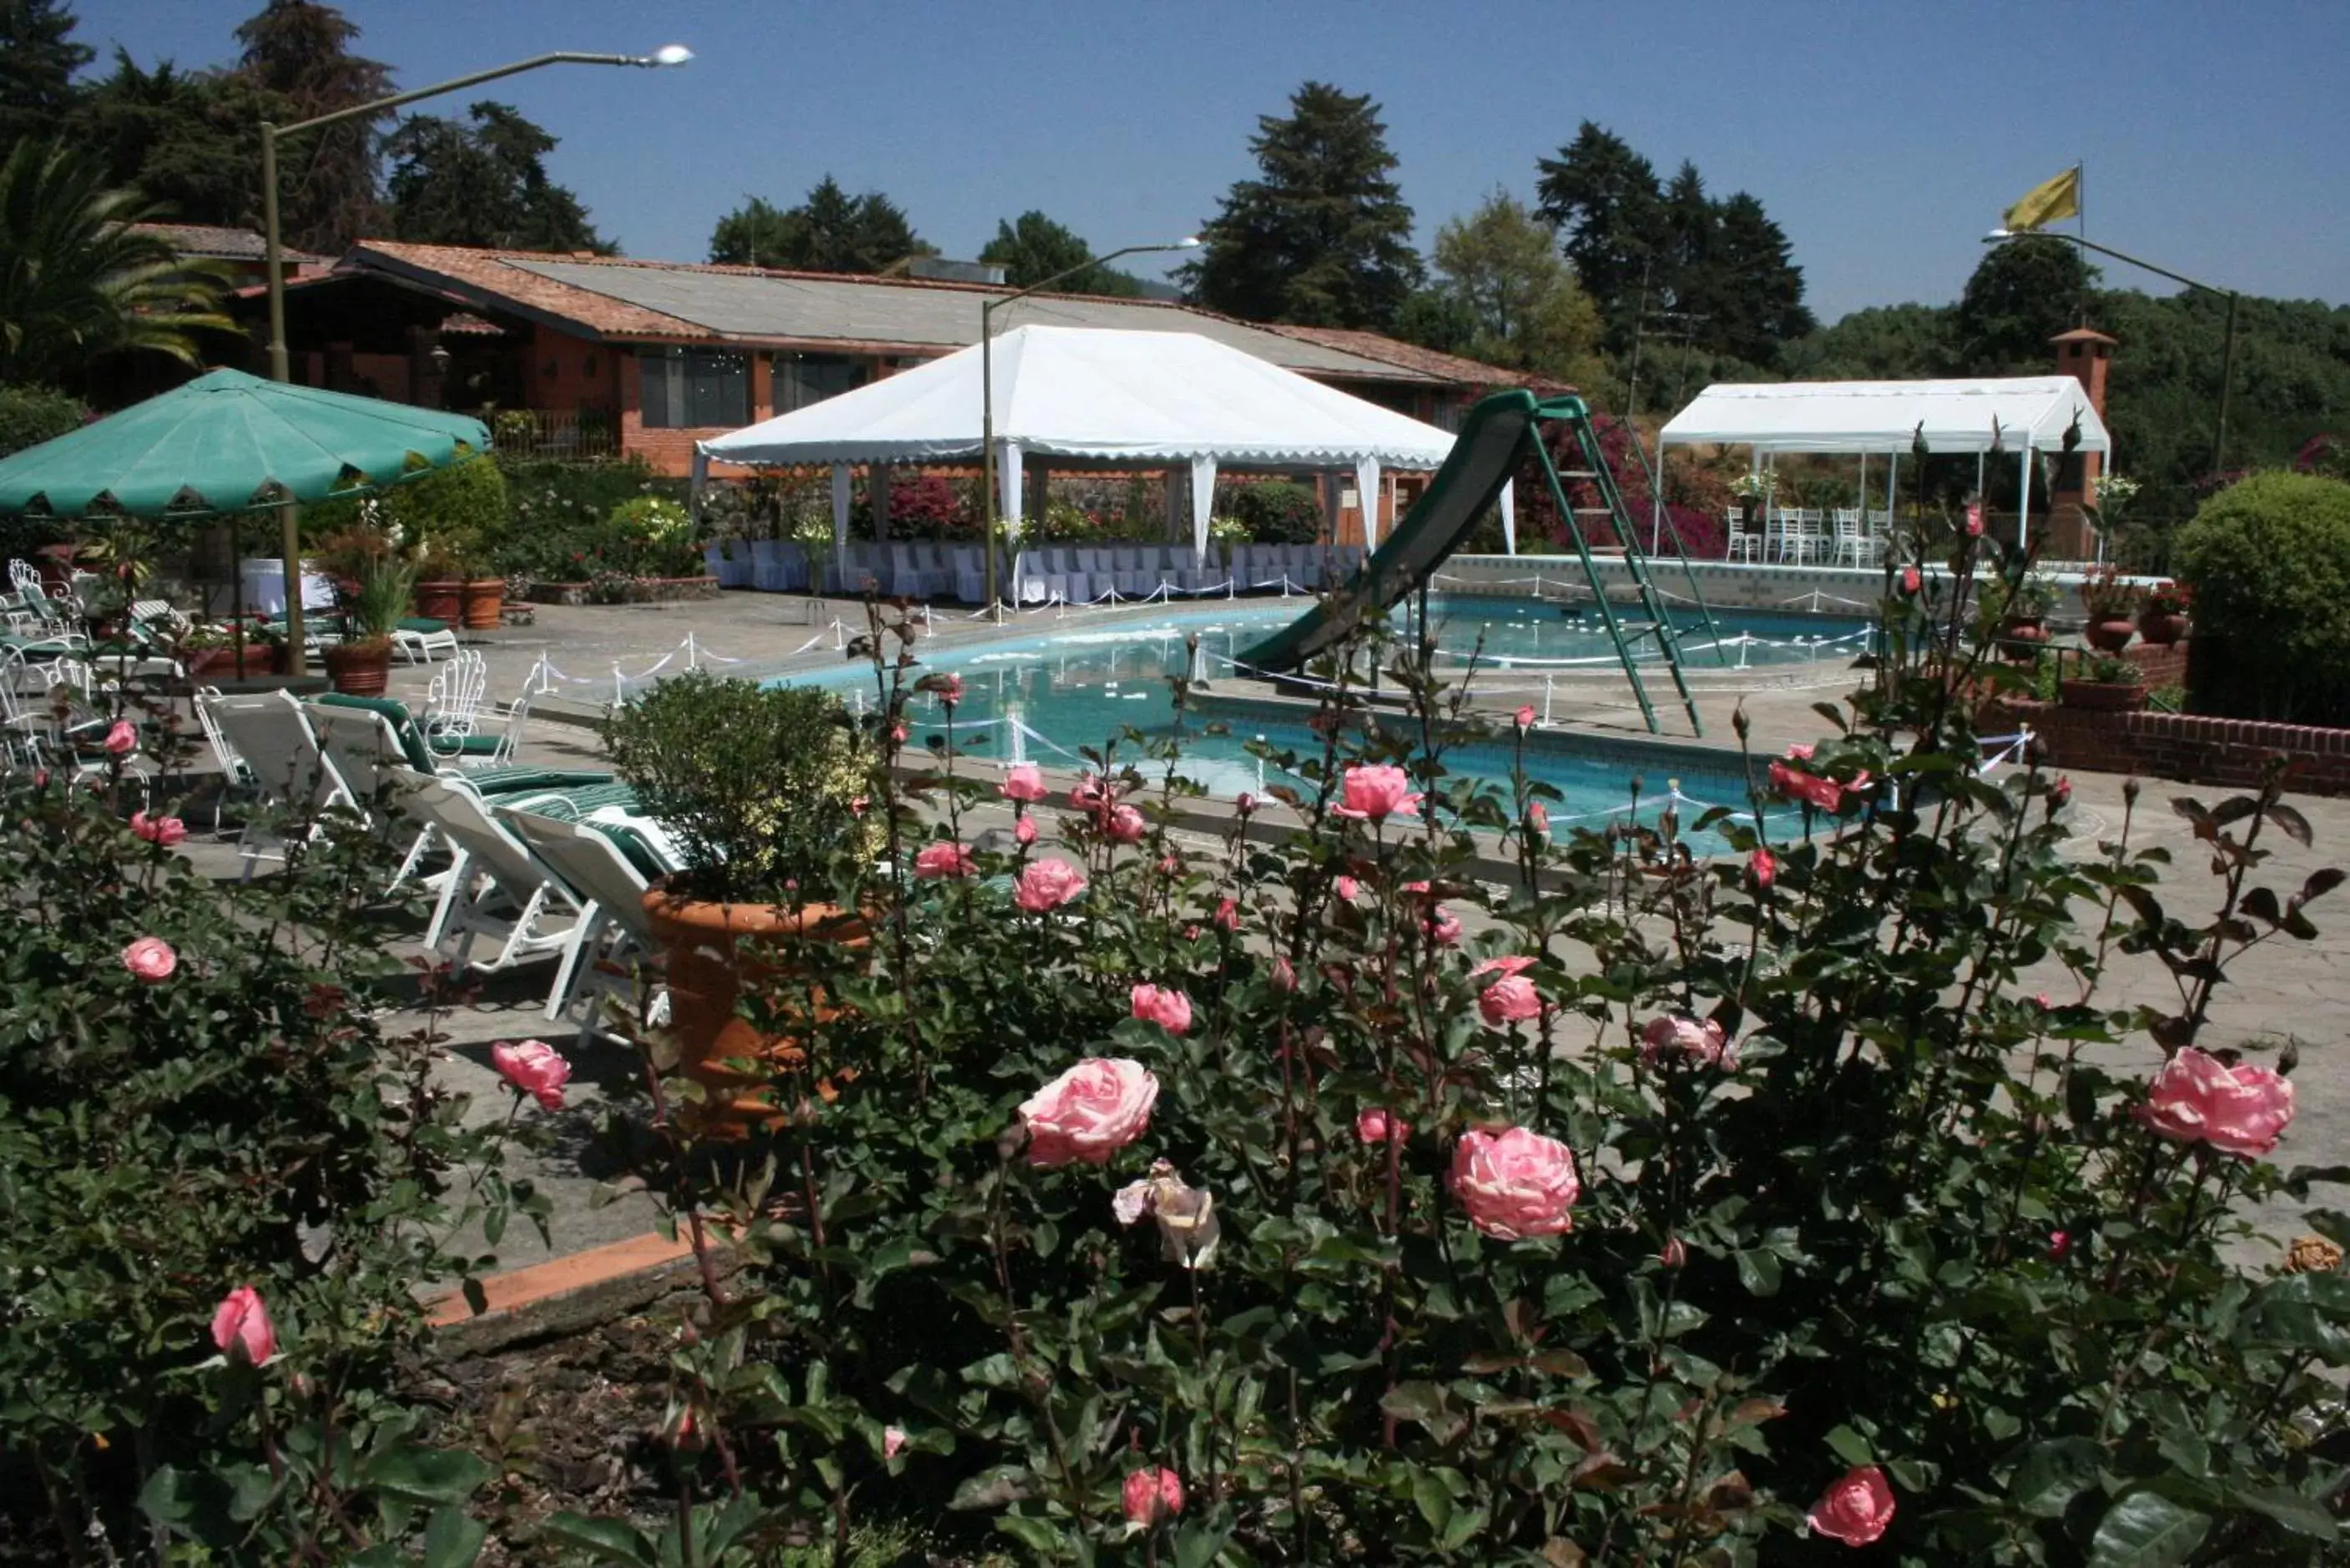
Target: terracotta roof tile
{"x": 211, "y": 240}
{"x": 496, "y": 274}
{"x": 1427, "y": 361}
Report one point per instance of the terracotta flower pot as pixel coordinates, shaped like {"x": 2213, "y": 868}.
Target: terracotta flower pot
{"x": 358, "y": 669}
{"x": 712, "y": 949}
{"x": 260, "y": 658}
{"x": 2021, "y": 638}
{"x": 2162, "y": 628}
{"x": 484, "y": 600}
{"x": 442, "y": 601}
{"x": 2102, "y": 696}
{"x": 2109, "y": 634}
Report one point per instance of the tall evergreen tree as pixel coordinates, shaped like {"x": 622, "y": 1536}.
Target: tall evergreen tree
{"x": 1034, "y": 248}
{"x": 1605, "y": 200}
{"x": 2020, "y": 295}
{"x": 331, "y": 185}
{"x": 1748, "y": 286}
{"x": 1323, "y": 239}
{"x": 188, "y": 141}
{"x": 483, "y": 183}
{"x": 830, "y": 231}
{"x": 38, "y": 58}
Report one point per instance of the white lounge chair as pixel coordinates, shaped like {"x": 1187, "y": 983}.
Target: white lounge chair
{"x": 609, "y": 891}
{"x": 269, "y": 734}
{"x": 494, "y": 888}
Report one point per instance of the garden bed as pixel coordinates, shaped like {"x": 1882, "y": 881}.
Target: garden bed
{"x": 632, "y": 591}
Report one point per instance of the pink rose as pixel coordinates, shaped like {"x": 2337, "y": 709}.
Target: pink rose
{"x": 1089, "y": 1112}
{"x": 163, "y": 830}
{"x": 1509, "y": 999}
{"x": 898, "y": 733}
{"x": 1024, "y": 832}
{"x": 1509, "y": 963}
{"x": 1124, "y": 825}
{"x": 1674, "y": 1035}
{"x": 1764, "y": 865}
{"x": 1171, "y": 864}
{"x": 1284, "y": 975}
{"x": 241, "y": 1329}
{"x": 1675, "y": 1254}
{"x": 535, "y": 1068}
{"x": 1170, "y": 1009}
{"x": 1525, "y": 717}
{"x": 1245, "y": 804}
{"x": 1228, "y": 915}
{"x": 1345, "y": 887}
{"x": 2060, "y": 1246}
{"x": 1442, "y": 928}
{"x": 1046, "y": 884}
{"x": 2196, "y": 1098}
{"x": 1091, "y": 793}
{"x": 1825, "y": 793}
{"x": 1373, "y": 793}
{"x": 1912, "y": 580}
{"x": 1375, "y": 1126}
{"x": 1538, "y": 818}
{"x": 1974, "y": 519}
{"x": 2060, "y": 794}
{"x": 1515, "y": 1184}
{"x": 1152, "y": 1495}
{"x": 1025, "y": 782}
{"x": 858, "y": 803}
{"x": 948, "y": 687}
{"x": 1855, "y": 1510}
{"x": 121, "y": 738}
{"x": 150, "y": 959}
{"x": 942, "y": 859}
{"x": 893, "y": 1442}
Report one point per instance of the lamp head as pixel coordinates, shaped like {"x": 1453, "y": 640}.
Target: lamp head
{"x": 1189, "y": 243}
{"x": 1996, "y": 235}
{"x": 669, "y": 55}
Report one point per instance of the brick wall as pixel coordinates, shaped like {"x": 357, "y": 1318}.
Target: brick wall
{"x": 2191, "y": 748}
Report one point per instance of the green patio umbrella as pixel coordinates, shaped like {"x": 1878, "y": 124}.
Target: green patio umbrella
{"x": 228, "y": 443}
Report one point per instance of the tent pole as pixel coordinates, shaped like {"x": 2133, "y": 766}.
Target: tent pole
{"x": 2023, "y": 498}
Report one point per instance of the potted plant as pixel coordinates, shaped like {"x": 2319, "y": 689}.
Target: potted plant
{"x": 2020, "y": 614}
{"x": 360, "y": 665}
{"x": 2107, "y": 684}
{"x": 483, "y": 596}
{"x": 761, "y": 787}
{"x": 440, "y": 583}
{"x": 1753, "y": 491}
{"x": 2113, "y": 603}
{"x": 2162, "y": 615}
{"x": 211, "y": 649}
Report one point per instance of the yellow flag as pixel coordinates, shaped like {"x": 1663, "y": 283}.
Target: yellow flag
{"x": 2046, "y": 203}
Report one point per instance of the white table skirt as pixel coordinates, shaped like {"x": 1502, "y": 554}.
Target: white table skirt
{"x": 264, "y": 589}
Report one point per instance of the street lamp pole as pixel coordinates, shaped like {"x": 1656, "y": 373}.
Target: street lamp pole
{"x": 2226, "y": 353}
{"x": 987, "y": 387}
{"x": 279, "y": 368}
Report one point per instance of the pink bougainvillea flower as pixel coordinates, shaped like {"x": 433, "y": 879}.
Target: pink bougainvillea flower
{"x": 163, "y": 830}
{"x": 893, "y": 1442}
{"x": 241, "y": 1329}
{"x": 1169, "y": 1009}
{"x": 1524, "y": 717}
{"x": 1124, "y": 825}
{"x": 150, "y": 959}
{"x": 1089, "y": 1112}
{"x": 535, "y": 1068}
{"x": 121, "y": 738}
{"x": 2197, "y": 1098}
{"x": 1855, "y": 1510}
{"x": 1152, "y": 1495}
{"x": 1509, "y": 999}
{"x": 1373, "y": 792}
{"x": 1024, "y": 832}
{"x": 1373, "y": 1125}
{"x": 1024, "y": 783}
{"x": 944, "y": 859}
{"x": 1764, "y": 865}
{"x": 1046, "y": 884}
{"x": 1516, "y": 1183}
{"x": 1675, "y": 1036}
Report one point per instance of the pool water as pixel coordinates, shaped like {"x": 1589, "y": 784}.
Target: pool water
{"x": 1042, "y": 698}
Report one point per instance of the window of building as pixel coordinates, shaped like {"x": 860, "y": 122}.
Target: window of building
{"x": 805, "y": 378}
{"x": 693, "y": 388}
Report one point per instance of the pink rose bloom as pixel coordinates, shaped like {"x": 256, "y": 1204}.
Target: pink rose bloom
{"x": 1025, "y": 782}
{"x": 893, "y": 1441}
{"x": 1509, "y": 999}
{"x": 1515, "y": 1184}
{"x": 1765, "y": 866}
{"x": 150, "y": 959}
{"x": 1510, "y": 963}
{"x": 1974, "y": 519}
{"x": 1024, "y": 832}
{"x": 1124, "y": 825}
{"x": 535, "y": 1068}
{"x": 1089, "y": 1112}
{"x": 1857, "y": 1510}
{"x": 1345, "y": 887}
{"x": 1170, "y": 1009}
{"x": 1675, "y": 1254}
{"x": 1228, "y": 915}
{"x": 1171, "y": 865}
{"x": 163, "y": 830}
{"x": 1674, "y": 1035}
{"x": 1912, "y": 580}
{"x": 948, "y": 687}
{"x": 1373, "y": 793}
{"x": 1284, "y": 975}
{"x": 1091, "y": 792}
{"x": 2061, "y": 794}
{"x": 1525, "y": 717}
{"x": 1538, "y": 817}
{"x": 1046, "y": 884}
{"x": 1801, "y": 752}
{"x": 858, "y": 803}
{"x": 1375, "y": 1126}
{"x": 2196, "y": 1098}
{"x": 2060, "y": 1246}
{"x": 1152, "y": 1495}
{"x": 942, "y": 859}
{"x": 241, "y": 1327}
{"x": 121, "y": 738}
{"x": 898, "y": 733}
{"x": 1826, "y": 794}
{"x": 1443, "y": 929}
{"x": 1245, "y": 804}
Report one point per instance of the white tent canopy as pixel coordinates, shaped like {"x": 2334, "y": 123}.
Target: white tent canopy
{"x": 1149, "y": 399}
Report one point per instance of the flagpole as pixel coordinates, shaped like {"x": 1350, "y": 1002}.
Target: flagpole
{"x": 2081, "y": 225}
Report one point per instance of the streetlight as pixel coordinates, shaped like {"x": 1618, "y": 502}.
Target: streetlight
{"x": 2227, "y": 354}
{"x": 987, "y": 382}
{"x": 290, "y": 543}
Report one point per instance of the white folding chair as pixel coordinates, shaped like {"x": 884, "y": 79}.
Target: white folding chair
{"x": 1849, "y": 543}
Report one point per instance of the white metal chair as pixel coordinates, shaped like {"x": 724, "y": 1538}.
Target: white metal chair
{"x": 494, "y": 889}
{"x": 1738, "y": 545}
{"x": 453, "y": 701}
{"x": 268, "y": 732}
{"x": 1851, "y": 544}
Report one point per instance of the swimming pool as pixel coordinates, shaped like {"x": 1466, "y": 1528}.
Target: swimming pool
{"x": 1042, "y": 698}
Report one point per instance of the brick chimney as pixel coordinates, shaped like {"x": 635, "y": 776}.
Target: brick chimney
{"x": 2085, "y": 355}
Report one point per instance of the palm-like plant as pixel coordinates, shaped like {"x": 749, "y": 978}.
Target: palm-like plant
{"x": 76, "y": 279}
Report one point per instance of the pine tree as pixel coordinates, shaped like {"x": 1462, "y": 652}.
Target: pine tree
{"x": 483, "y": 183}
{"x": 2022, "y": 294}
{"x": 830, "y": 231}
{"x": 189, "y": 142}
{"x": 1323, "y": 238}
{"x": 38, "y": 59}
{"x": 1604, "y": 197}
{"x": 331, "y": 181}
{"x": 1035, "y": 248}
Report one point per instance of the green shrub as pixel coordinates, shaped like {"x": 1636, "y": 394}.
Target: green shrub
{"x": 2268, "y": 561}
{"x": 31, "y": 415}
{"x": 460, "y": 517}
{"x": 1277, "y": 511}
{"x": 654, "y": 519}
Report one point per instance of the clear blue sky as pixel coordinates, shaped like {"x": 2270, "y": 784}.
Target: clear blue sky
{"x": 1884, "y": 135}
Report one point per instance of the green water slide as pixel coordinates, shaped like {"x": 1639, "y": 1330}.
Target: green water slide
{"x": 1500, "y": 432}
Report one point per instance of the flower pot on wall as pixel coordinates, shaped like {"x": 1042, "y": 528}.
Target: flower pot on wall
{"x": 484, "y": 600}
{"x": 2021, "y": 638}
{"x": 442, "y": 601}
{"x": 260, "y": 658}
{"x": 712, "y": 949}
{"x": 358, "y": 669}
{"x": 2109, "y": 634}
{"x": 2162, "y": 628}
